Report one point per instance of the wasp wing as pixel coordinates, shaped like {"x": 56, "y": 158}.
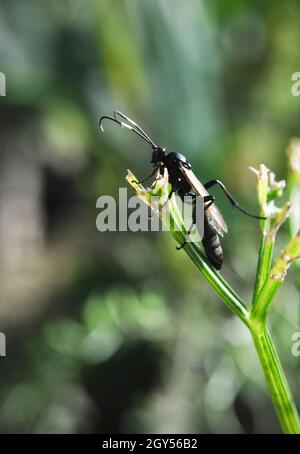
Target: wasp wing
{"x": 213, "y": 213}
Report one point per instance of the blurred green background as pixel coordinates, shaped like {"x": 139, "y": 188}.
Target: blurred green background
{"x": 117, "y": 332}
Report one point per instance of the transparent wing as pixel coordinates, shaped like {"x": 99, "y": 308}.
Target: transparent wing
{"x": 213, "y": 213}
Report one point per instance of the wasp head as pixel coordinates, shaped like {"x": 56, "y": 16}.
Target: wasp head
{"x": 158, "y": 155}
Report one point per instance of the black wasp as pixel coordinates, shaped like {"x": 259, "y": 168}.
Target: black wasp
{"x": 183, "y": 180}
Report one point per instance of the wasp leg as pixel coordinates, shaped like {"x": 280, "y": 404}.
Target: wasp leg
{"x": 148, "y": 178}
{"x": 186, "y": 236}
{"x": 169, "y": 197}
{"x": 230, "y": 197}
{"x": 208, "y": 200}
{"x": 187, "y": 197}
{"x": 173, "y": 189}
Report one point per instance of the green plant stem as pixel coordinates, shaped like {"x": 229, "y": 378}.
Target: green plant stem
{"x": 225, "y": 292}
{"x": 255, "y": 319}
{"x": 293, "y": 194}
{"x": 268, "y": 357}
{"x": 264, "y": 298}
{"x": 278, "y": 386}
{"x": 275, "y": 278}
{"x": 275, "y": 377}
{"x": 264, "y": 262}
{"x": 267, "y": 241}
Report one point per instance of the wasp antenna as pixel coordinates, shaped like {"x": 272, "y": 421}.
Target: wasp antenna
{"x": 107, "y": 117}
{"x": 125, "y": 125}
{"x": 133, "y": 123}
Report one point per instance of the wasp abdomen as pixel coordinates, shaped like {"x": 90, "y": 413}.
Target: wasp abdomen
{"x": 212, "y": 245}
